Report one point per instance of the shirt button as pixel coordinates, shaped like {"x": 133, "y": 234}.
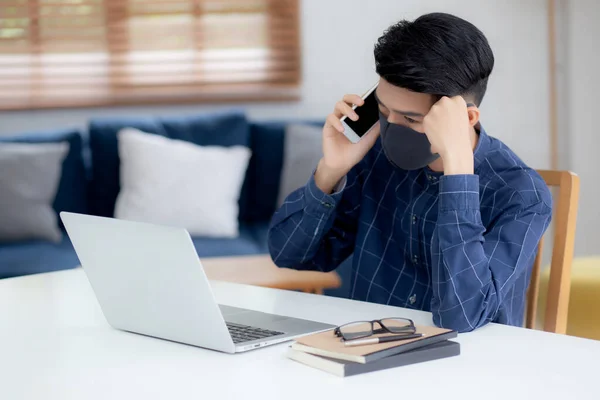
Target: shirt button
{"x": 415, "y": 259}
{"x": 412, "y": 299}
{"x": 414, "y": 219}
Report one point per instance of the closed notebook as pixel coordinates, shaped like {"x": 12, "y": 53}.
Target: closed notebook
{"x": 344, "y": 368}
{"x": 326, "y": 344}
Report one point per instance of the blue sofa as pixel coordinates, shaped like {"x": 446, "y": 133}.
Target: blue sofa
{"x": 90, "y": 182}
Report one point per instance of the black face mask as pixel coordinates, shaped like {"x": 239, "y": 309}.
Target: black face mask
{"x": 405, "y": 148}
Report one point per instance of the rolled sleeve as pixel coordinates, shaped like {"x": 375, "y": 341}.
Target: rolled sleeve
{"x": 318, "y": 202}
{"x": 474, "y": 269}
{"x": 459, "y": 192}
{"x": 313, "y": 230}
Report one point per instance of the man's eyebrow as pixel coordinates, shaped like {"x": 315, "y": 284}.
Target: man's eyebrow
{"x": 407, "y": 113}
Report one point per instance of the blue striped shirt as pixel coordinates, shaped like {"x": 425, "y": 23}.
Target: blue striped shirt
{"x": 459, "y": 246}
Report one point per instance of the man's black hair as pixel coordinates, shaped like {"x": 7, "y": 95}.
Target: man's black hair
{"x": 438, "y": 54}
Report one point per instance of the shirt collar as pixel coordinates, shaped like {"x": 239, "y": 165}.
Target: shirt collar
{"x": 482, "y": 147}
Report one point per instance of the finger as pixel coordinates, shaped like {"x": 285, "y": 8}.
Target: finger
{"x": 460, "y": 100}
{"x": 442, "y": 101}
{"x": 353, "y": 99}
{"x": 333, "y": 121}
{"x": 342, "y": 109}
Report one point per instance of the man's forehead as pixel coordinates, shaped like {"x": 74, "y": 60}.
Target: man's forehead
{"x": 402, "y": 100}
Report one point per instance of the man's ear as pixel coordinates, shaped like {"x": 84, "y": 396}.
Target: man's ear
{"x": 473, "y": 111}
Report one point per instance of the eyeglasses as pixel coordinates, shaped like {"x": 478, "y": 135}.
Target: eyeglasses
{"x": 362, "y": 329}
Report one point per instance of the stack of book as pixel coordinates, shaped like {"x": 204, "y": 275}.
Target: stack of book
{"x": 327, "y": 352}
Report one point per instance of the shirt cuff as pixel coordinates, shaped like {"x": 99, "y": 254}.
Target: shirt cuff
{"x": 459, "y": 192}
{"x": 318, "y": 202}
{"x": 341, "y": 185}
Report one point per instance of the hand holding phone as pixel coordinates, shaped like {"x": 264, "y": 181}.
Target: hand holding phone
{"x": 368, "y": 116}
{"x": 340, "y": 153}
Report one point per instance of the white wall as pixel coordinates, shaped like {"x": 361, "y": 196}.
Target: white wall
{"x": 338, "y": 38}
{"x": 581, "y": 116}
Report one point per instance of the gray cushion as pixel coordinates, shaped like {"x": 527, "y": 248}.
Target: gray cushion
{"x": 302, "y": 152}
{"x": 29, "y": 177}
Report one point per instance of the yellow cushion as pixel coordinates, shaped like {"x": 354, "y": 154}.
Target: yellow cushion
{"x": 584, "y": 304}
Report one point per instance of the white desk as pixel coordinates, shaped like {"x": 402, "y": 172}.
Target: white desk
{"x": 55, "y": 344}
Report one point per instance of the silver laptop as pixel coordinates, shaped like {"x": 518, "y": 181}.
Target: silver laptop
{"x": 148, "y": 280}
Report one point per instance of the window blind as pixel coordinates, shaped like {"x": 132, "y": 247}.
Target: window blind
{"x": 65, "y": 53}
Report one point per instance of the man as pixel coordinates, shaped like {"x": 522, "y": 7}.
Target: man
{"x": 438, "y": 215}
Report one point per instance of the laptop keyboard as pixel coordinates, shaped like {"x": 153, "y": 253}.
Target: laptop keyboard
{"x": 243, "y": 333}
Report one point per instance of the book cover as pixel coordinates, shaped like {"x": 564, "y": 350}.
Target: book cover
{"x": 326, "y": 344}
{"x": 344, "y": 368}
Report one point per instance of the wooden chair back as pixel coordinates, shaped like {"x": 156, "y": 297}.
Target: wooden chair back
{"x": 559, "y": 286}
